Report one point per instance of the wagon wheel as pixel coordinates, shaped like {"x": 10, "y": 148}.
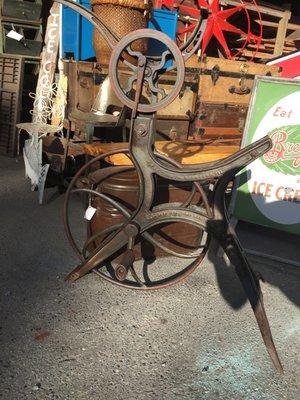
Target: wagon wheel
{"x": 149, "y": 273}
{"x": 231, "y": 27}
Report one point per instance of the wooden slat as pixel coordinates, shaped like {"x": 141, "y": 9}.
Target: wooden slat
{"x": 232, "y": 66}
{"x": 270, "y": 47}
{"x": 295, "y": 35}
{"x": 211, "y": 132}
{"x": 183, "y": 152}
{"x": 219, "y": 93}
{"x": 281, "y": 33}
{"x": 267, "y": 9}
{"x": 272, "y": 24}
{"x": 259, "y": 54}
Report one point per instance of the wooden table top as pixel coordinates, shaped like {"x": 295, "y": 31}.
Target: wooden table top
{"x": 184, "y": 152}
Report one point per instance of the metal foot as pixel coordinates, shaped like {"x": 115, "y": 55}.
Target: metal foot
{"x": 251, "y": 287}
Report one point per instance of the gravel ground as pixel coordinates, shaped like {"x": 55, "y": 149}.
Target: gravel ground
{"x": 92, "y": 340}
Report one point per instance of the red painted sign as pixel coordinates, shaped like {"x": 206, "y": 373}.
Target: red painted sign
{"x": 289, "y": 63}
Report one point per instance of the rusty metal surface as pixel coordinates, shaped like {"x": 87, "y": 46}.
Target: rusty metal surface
{"x": 209, "y": 215}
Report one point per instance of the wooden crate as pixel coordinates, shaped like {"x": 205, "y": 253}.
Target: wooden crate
{"x": 30, "y": 46}
{"x": 273, "y": 17}
{"x": 27, "y": 11}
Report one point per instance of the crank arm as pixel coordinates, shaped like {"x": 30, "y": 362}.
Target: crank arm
{"x": 128, "y": 258}
{"x": 109, "y": 248}
{"x": 124, "y": 266}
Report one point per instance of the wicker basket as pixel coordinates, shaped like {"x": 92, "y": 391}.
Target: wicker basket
{"x": 123, "y": 16}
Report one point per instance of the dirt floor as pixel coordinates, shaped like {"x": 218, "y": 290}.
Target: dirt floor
{"x": 92, "y": 340}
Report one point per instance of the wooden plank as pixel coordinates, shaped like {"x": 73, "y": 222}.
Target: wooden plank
{"x": 21, "y": 21}
{"x": 294, "y": 36}
{"x": 269, "y": 47}
{"x": 281, "y": 33}
{"x": 232, "y": 66}
{"x": 267, "y": 9}
{"x": 259, "y": 54}
{"x": 219, "y": 93}
{"x": 184, "y": 152}
{"x": 212, "y": 132}
{"x": 290, "y": 26}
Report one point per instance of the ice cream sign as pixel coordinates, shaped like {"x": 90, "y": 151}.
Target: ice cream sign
{"x": 268, "y": 190}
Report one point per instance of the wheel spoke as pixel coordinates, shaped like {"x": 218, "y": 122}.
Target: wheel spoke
{"x": 131, "y": 66}
{"x": 162, "y": 62}
{"x": 135, "y": 276}
{"x": 156, "y": 89}
{"x": 130, "y": 83}
{"x": 93, "y": 238}
{"x": 133, "y": 53}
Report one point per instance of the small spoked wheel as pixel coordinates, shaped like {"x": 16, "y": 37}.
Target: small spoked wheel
{"x": 140, "y": 47}
{"x": 159, "y": 256}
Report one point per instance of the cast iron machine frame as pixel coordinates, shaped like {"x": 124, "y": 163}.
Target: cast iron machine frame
{"x": 210, "y": 216}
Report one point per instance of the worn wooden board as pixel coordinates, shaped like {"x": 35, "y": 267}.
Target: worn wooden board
{"x": 184, "y": 152}
{"x": 179, "y": 107}
{"x": 221, "y": 133}
{"x": 24, "y": 10}
{"x": 218, "y": 92}
{"x": 231, "y": 66}
{"x": 222, "y": 115}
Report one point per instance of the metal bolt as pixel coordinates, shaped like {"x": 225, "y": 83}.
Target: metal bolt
{"x": 121, "y": 272}
{"x": 141, "y": 62}
{"x": 141, "y": 130}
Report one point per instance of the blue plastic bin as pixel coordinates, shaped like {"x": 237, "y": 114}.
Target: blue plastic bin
{"x": 77, "y": 34}
{"x": 164, "y": 21}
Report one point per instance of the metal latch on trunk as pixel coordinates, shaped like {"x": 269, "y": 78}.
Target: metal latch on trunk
{"x": 242, "y": 89}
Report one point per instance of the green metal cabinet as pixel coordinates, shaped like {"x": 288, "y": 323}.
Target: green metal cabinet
{"x": 31, "y": 45}
{"x": 22, "y": 10}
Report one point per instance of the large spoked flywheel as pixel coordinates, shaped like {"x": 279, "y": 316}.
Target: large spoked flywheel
{"x": 161, "y": 255}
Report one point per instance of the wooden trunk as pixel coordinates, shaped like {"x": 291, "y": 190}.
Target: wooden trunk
{"x": 173, "y": 121}
{"x": 225, "y": 89}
